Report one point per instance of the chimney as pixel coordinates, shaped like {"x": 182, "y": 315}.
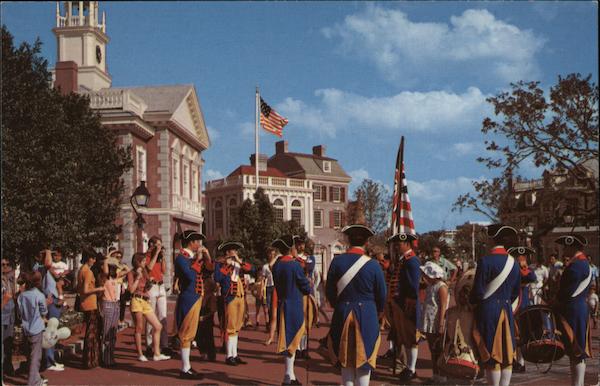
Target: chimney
{"x": 66, "y": 77}
{"x": 281, "y": 147}
{"x": 262, "y": 161}
{"x": 319, "y": 150}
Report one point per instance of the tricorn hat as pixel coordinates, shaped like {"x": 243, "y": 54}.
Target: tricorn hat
{"x": 358, "y": 230}
{"x": 500, "y": 230}
{"x": 227, "y": 245}
{"x": 572, "y": 240}
{"x": 521, "y": 251}
{"x": 284, "y": 242}
{"x": 406, "y": 237}
{"x": 299, "y": 239}
{"x": 191, "y": 235}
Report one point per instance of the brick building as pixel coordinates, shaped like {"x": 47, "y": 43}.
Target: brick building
{"x": 164, "y": 126}
{"x": 309, "y": 188}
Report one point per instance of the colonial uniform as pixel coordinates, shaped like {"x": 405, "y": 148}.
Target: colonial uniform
{"x": 230, "y": 278}
{"x": 291, "y": 285}
{"x": 188, "y": 272}
{"x": 307, "y": 262}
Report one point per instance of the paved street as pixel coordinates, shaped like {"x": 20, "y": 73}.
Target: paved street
{"x": 265, "y": 367}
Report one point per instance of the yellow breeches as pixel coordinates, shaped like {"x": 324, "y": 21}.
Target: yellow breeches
{"x": 189, "y": 326}
{"x": 235, "y": 315}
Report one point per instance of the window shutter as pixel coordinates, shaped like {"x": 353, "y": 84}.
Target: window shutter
{"x": 331, "y": 219}
{"x": 331, "y": 193}
{"x": 343, "y": 218}
{"x": 324, "y": 193}
{"x": 343, "y": 194}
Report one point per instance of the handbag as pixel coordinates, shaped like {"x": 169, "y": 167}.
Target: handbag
{"x": 458, "y": 359}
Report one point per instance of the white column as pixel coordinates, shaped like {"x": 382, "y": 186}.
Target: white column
{"x": 309, "y": 217}
{"x": 81, "y": 13}
{"x": 69, "y": 13}
{"x": 57, "y": 14}
{"x": 92, "y": 13}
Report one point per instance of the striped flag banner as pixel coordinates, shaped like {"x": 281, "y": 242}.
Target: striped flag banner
{"x": 402, "y": 220}
{"x": 270, "y": 120}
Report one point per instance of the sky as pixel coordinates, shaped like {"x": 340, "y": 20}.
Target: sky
{"x": 353, "y": 76}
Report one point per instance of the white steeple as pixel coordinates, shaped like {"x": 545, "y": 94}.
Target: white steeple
{"x": 82, "y": 39}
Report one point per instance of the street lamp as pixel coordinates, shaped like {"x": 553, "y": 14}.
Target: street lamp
{"x": 139, "y": 199}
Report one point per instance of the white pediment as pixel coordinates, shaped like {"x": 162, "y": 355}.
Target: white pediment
{"x": 189, "y": 116}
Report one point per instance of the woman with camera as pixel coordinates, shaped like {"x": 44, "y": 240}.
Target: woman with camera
{"x": 156, "y": 267}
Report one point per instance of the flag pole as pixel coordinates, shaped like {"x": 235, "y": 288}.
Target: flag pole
{"x": 256, "y": 135}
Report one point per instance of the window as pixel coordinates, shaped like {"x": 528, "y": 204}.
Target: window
{"x": 336, "y": 219}
{"x": 327, "y": 166}
{"x": 297, "y": 212}
{"x": 335, "y": 195}
{"x": 232, "y": 208}
{"x": 176, "y": 187}
{"x": 278, "y": 205}
{"x": 195, "y": 184}
{"x": 141, "y": 164}
{"x": 318, "y": 218}
{"x": 186, "y": 180}
{"x": 317, "y": 192}
{"x": 218, "y": 214}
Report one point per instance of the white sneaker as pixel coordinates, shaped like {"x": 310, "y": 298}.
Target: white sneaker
{"x": 55, "y": 368}
{"x": 59, "y": 365}
{"x": 142, "y": 358}
{"x": 161, "y": 357}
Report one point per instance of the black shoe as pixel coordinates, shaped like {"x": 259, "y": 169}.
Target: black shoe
{"x": 518, "y": 368}
{"x": 294, "y": 382}
{"x": 388, "y": 355}
{"x": 190, "y": 374}
{"x": 239, "y": 361}
{"x": 304, "y": 354}
{"x": 231, "y": 361}
{"x": 406, "y": 375}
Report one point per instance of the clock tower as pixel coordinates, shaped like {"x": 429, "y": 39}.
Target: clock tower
{"x": 81, "y": 41}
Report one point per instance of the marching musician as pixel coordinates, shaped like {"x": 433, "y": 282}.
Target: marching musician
{"x": 495, "y": 287}
{"x": 523, "y": 255}
{"x": 572, "y": 307}
{"x": 405, "y": 307}
{"x": 230, "y": 278}
{"x": 291, "y": 285}
{"x": 192, "y": 260}
{"x": 307, "y": 262}
{"x": 356, "y": 290}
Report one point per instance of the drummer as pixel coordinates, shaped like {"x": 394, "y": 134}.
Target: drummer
{"x": 495, "y": 287}
{"x": 523, "y": 255}
{"x": 572, "y": 307}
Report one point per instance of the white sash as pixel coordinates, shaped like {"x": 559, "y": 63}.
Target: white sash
{"x": 515, "y": 304}
{"x": 350, "y": 273}
{"x": 583, "y": 285}
{"x": 493, "y": 286}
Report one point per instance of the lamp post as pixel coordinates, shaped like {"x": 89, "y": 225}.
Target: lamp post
{"x": 139, "y": 199}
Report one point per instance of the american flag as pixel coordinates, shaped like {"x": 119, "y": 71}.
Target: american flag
{"x": 270, "y": 120}
{"x": 402, "y": 220}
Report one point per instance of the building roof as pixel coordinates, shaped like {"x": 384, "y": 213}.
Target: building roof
{"x": 165, "y": 98}
{"x": 250, "y": 170}
{"x": 300, "y": 164}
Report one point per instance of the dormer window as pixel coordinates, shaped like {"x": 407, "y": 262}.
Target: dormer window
{"x": 327, "y": 166}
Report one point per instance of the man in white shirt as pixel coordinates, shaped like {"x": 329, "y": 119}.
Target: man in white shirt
{"x": 541, "y": 274}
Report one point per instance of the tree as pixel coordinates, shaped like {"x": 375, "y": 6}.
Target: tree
{"x": 429, "y": 240}
{"x": 559, "y": 134}
{"x": 463, "y": 240}
{"x": 61, "y": 169}
{"x": 374, "y": 200}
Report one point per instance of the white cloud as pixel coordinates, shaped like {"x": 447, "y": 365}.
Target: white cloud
{"x": 408, "y": 111}
{"x": 403, "y": 49}
{"x": 212, "y": 174}
{"x": 467, "y": 148}
{"x": 440, "y": 190}
{"x": 213, "y": 133}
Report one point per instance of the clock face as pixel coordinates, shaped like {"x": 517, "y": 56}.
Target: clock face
{"x": 98, "y": 54}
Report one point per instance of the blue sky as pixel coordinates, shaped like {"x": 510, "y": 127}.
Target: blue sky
{"x": 353, "y": 76}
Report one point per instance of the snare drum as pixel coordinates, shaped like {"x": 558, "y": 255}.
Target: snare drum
{"x": 538, "y": 336}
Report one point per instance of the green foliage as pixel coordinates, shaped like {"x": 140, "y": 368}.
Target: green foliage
{"x": 61, "y": 180}
{"x": 372, "y": 205}
{"x": 254, "y": 225}
{"x": 463, "y": 240}
{"x": 429, "y": 240}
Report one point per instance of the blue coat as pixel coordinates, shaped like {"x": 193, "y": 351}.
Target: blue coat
{"x": 526, "y": 278}
{"x": 223, "y": 277}
{"x": 188, "y": 296}
{"x": 409, "y": 278}
{"x": 291, "y": 284}
{"x": 489, "y": 312}
{"x": 362, "y": 299}
{"x": 574, "y": 310}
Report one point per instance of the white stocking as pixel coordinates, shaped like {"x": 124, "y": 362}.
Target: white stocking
{"x": 413, "y": 354}
{"x": 363, "y": 377}
{"x": 302, "y": 345}
{"x": 234, "y": 339}
{"x": 289, "y": 369}
{"x": 578, "y": 373}
{"x": 505, "y": 376}
{"x": 493, "y": 377}
{"x": 520, "y": 358}
{"x": 185, "y": 359}
{"x": 348, "y": 375}
{"x": 230, "y": 347}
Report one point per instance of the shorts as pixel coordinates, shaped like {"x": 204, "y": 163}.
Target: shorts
{"x": 140, "y": 305}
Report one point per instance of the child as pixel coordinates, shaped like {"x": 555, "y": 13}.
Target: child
{"x": 437, "y": 298}
{"x": 593, "y": 304}
{"x": 33, "y": 308}
{"x": 59, "y": 270}
{"x": 110, "y": 312}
